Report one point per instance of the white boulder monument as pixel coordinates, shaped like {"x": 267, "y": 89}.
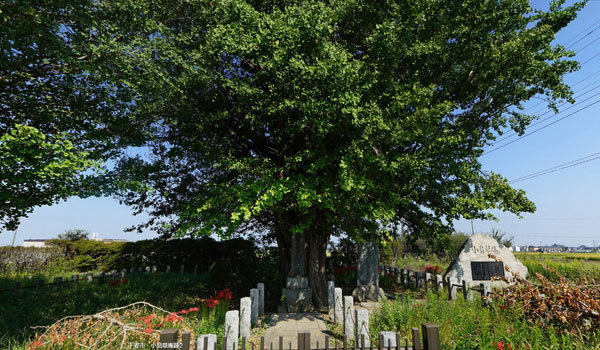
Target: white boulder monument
{"x": 367, "y": 274}
{"x": 475, "y": 265}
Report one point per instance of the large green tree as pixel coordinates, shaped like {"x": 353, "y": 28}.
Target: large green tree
{"x": 327, "y": 117}
{"x": 319, "y": 118}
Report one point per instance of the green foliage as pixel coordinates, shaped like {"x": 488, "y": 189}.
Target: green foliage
{"x": 470, "y": 325}
{"x": 74, "y": 234}
{"x": 21, "y": 259}
{"x": 280, "y": 115}
{"x": 501, "y": 238}
{"x": 36, "y": 169}
{"x": 574, "y": 270}
{"x": 88, "y": 255}
{"x": 345, "y": 276}
{"x": 344, "y": 252}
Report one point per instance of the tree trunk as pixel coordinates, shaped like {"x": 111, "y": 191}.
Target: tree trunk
{"x": 284, "y": 246}
{"x": 316, "y": 242}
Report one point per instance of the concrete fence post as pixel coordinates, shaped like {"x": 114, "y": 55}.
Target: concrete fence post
{"x": 466, "y": 288}
{"x": 261, "y": 298}
{"x": 254, "y": 309}
{"x": 339, "y": 306}
{"x": 206, "y": 342}
{"x": 349, "y": 317}
{"x": 245, "y": 316}
{"x": 232, "y": 329}
{"x": 451, "y": 281}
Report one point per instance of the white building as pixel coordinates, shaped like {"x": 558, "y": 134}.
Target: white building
{"x": 37, "y": 243}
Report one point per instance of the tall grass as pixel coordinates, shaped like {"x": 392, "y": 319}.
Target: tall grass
{"x": 573, "y": 270}
{"x": 471, "y": 325}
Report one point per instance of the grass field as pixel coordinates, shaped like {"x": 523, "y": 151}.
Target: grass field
{"x": 575, "y": 267}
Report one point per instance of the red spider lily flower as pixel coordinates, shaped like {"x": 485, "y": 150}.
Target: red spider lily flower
{"x": 148, "y": 330}
{"x": 139, "y": 325}
{"x": 182, "y": 312}
{"x": 36, "y": 344}
{"x": 224, "y": 294}
{"x": 173, "y": 318}
{"x": 211, "y": 302}
{"x": 192, "y": 309}
{"x": 499, "y": 345}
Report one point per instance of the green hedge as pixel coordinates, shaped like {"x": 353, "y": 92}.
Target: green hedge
{"x": 235, "y": 263}
{"x": 26, "y": 259}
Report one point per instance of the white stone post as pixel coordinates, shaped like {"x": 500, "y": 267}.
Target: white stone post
{"x": 211, "y": 342}
{"x": 331, "y": 299}
{"x": 349, "y": 317}
{"x": 485, "y": 296}
{"x": 451, "y": 281}
{"x": 245, "y": 312}
{"x": 254, "y": 313}
{"x": 339, "y": 302}
{"x": 362, "y": 326}
{"x": 388, "y": 339}
{"x": 261, "y": 298}
{"x": 466, "y": 289}
{"x": 232, "y": 331}
{"x": 439, "y": 281}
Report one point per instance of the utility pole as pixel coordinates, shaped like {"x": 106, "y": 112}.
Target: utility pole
{"x": 472, "y": 229}
{"x": 15, "y": 234}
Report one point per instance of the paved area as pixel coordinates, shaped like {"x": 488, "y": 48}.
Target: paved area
{"x": 288, "y": 326}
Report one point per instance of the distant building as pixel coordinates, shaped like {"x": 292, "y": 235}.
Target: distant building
{"x": 95, "y": 237}
{"x": 555, "y": 248}
{"x": 42, "y": 243}
{"x": 516, "y": 248}
{"x": 37, "y": 243}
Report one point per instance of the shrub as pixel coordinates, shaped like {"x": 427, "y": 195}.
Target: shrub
{"x": 26, "y": 259}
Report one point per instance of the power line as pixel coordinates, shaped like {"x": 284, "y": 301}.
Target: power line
{"x": 552, "y": 116}
{"x": 577, "y": 83}
{"x": 585, "y": 36}
{"x": 558, "y": 167}
{"x": 543, "y": 127}
{"x": 583, "y": 31}
{"x": 590, "y": 43}
{"x": 591, "y": 58}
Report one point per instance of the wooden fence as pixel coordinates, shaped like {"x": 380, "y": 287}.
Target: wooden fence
{"x": 100, "y": 278}
{"x": 427, "y": 339}
{"x": 416, "y": 279}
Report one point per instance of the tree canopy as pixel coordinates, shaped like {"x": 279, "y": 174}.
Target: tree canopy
{"x": 58, "y": 110}
{"x": 312, "y": 117}
{"x": 341, "y": 115}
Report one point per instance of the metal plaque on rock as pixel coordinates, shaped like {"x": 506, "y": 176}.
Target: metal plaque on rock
{"x": 485, "y": 270}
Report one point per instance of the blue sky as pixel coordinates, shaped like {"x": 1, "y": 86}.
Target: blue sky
{"x": 568, "y": 201}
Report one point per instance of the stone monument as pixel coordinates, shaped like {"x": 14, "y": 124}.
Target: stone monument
{"x": 367, "y": 275}
{"x": 474, "y": 264}
{"x": 296, "y": 294}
